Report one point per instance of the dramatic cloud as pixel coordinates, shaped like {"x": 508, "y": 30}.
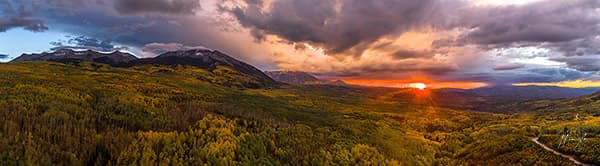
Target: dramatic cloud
{"x": 342, "y": 25}
{"x": 538, "y": 22}
{"x": 83, "y": 42}
{"x": 336, "y": 25}
{"x": 15, "y": 16}
{"x": 541, "y": 22}
{"x": 577, "y": 47}
{"x": 26, "y": 23}
{"x": 86, "y": 41}
{"x": 157, "y": 6}
{"x": 589, "y": 64}
{"x": 356, "y": 28}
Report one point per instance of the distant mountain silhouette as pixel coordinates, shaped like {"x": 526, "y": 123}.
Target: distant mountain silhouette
{"x": 532, "y": 92}
{"x": 587, "y": 104}
{"x": 202, "y": 58}
{"x": 499, "y": 99}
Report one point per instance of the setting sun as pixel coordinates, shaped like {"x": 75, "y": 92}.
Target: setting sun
{"x": 418, "y": 85}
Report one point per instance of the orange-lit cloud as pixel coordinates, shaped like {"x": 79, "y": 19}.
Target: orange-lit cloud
{"x": 568, "y": 84}
{"x": 409, "y": 52}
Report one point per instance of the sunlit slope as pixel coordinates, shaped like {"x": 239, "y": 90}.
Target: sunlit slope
{"x": 53, "y": 113}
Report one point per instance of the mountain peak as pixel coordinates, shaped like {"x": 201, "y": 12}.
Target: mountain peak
{"x": 210, "y": 60}
{"x": 293, "y": 77}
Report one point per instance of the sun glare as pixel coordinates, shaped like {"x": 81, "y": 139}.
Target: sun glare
{"x": 418, "y": 85}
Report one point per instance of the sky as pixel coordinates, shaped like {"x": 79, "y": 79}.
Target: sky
{"x": 448, "y": 43}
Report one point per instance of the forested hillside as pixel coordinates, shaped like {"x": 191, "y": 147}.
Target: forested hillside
{"x": 95, "y": 114}
{"x": 574, "y": 122}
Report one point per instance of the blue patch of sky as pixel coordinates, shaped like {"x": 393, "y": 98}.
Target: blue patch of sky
{"x": 17, "y": 41}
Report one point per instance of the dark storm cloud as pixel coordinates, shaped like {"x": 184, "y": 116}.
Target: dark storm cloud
{"x": 33, "y": 14}
{"x": 157, "y": 6}
{"x": 533, "y": 24}
{"x": 338, "y": 25}
{"x": 126, "y": 7}
{"x": 538, "y": 22}
{"x": 87, "y": 41}
{"x": 100, "y": 24}
{"x": 84, "y": 42}
{"x": 34, "y": 25}
{"x": 3, "y": 56}
{"x": 14, "y": 15}
{"x": 292, "y": 20}
{"x": 99, "y": 20}
{"x": 578, "y": 47}
{"x": 586, "y": 64}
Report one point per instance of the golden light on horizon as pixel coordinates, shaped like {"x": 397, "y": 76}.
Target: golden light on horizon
{"x": 567, "y": 84}
{"x": 418, "y": 85}
{"x": 406, "y": 83}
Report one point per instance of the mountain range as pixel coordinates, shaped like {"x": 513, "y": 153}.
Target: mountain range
{"x": 301, "y": 78}
{"x": 532, "y": 92}
{"x": 202, "y": 58}
{"x": 117, "y": 58}
{"x": 293, "y": 77}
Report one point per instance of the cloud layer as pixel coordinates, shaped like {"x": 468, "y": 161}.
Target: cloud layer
{"x": 338, "y": 26}
{"x": 449, "y": 40}
{"x": 14, "y": 15}
{"x": 157, "y": 6}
